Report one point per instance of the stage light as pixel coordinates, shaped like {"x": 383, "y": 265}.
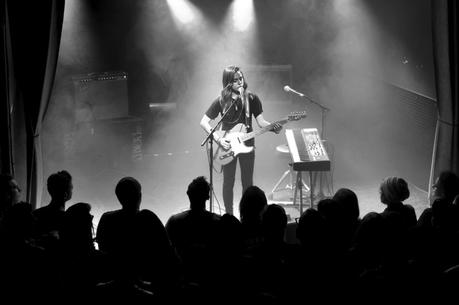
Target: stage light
{"x": 182, "y": 10}
{"x": 243, "y": 14}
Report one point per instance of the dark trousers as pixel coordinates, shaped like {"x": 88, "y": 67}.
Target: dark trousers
{"x": 246, "y": 163}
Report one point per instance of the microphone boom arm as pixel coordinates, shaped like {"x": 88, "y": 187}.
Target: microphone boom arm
{"x": 323, "y": 108}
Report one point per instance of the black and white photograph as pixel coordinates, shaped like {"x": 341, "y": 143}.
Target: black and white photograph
{"x": 229, "y": 151}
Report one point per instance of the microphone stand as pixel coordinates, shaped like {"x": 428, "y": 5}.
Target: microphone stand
{"x": 210, "y": 139}
{"x": 322, "y": 108}
{"x": 322, "y": 132}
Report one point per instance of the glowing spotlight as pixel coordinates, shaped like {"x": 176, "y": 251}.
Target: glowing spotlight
{"x": 182, "y": 10}
{"x": 243, "y": 14}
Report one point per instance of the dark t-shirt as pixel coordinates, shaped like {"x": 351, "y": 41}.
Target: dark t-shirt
{"x": 236, "y": 114}
{"x": 48, "y": 219}
{"x": 195, "y": 236}
{"x": 115, "y": 232}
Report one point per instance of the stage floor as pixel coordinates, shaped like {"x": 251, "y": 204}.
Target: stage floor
{"x": 165, "y": 178}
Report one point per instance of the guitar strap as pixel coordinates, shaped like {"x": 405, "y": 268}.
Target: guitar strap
{"x": 247, "y": 109}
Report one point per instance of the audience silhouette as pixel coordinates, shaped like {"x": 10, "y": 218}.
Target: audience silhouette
{"x": 50, "y": 218}
{"x": 116, "y": 228}
{"x": 27, "y": 271}
{"x": 251, "y": 206}
{"x": 394, "y": 191}
{"x": 270, "y": 265}
{"x": 9, "y": 193}
{"x": 194, "y": 233}
{"x": 350, "y": 217}
{"x": 315, "y": 251}
{"x": 82, "y": 265}
{"x": 199, "y": 256}
{"x": 398, "y": 219}
{"x": 142, "y": 262}
{"x": 434, "y": 240}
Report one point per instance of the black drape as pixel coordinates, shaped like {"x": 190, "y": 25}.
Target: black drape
{"x": 446, "y": 58}
{"x": 32, "y": 30}
{"x": 6, "y": 137}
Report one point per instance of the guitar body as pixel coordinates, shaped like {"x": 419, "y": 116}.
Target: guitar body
{"x": 238, "y": 135}
{"x": 235, "y": 137}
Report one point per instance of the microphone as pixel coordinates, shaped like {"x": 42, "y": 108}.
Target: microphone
{"x": 241, "y": 91}
{"x": 288, "y": 89}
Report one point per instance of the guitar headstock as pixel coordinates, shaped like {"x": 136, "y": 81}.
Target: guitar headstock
{"x": 296, "y": 115}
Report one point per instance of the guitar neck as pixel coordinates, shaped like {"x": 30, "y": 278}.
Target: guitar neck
{"x": 262, "y": 130}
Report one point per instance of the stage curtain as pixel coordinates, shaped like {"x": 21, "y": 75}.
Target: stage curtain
{"x": 6, "y": 138}
{"x": 33, "y": 29}
{"x": 446, "y": 58}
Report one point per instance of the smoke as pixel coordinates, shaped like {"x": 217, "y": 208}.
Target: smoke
{"x": 336, "y": 52}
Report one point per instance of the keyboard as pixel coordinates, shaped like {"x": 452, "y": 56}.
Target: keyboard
{"x": 307, "y": 150}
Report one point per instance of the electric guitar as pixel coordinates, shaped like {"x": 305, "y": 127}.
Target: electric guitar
{"x": 238, "y": 135}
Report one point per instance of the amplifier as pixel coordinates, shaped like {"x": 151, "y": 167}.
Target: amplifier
{"x": 101, "y": 96}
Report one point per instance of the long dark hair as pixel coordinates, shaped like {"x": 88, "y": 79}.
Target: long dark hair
{"x": 227, "y": 81}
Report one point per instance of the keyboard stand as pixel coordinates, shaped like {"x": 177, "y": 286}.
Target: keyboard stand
{"x": 298, "y": 186}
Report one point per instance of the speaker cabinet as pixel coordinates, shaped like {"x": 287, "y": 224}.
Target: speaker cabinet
{"x": 101, "y": 96}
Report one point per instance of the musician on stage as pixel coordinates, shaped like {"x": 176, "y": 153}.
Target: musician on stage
{"x": 246, "y": 104}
